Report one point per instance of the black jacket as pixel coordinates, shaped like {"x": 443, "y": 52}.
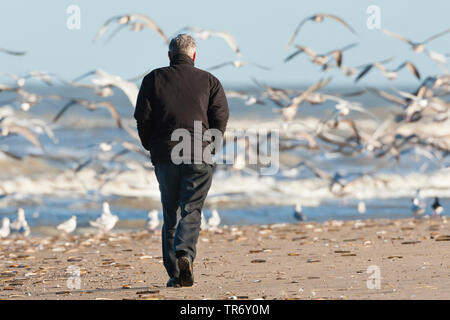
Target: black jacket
{"x": 174, "y": 97}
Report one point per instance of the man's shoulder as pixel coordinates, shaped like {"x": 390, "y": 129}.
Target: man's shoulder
{"x": 212, "y": 78}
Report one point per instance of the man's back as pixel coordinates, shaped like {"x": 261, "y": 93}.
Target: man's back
{"x": 180, "y": 97}
{"x": 173, "y": 98}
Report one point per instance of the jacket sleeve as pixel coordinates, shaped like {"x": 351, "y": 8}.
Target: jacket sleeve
{"x": 218, "y": 112}
{"x": 142, "y": 114}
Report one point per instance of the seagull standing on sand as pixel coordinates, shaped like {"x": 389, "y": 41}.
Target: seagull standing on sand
{"x": 418, "y": 205}
{"x": 204, "y": 224}
{"x": 298, "y": 212}
{"x": 152, "y": 220}
{"x": 20, "y": 225}
{"x": 437, "y": 208}
{"x": 68, "y": 226}
{"x": 361, "y": 207}
{"x": 106, "y": 221}
{"x": 4, "y": 230}
{"x": 214, "y": 220}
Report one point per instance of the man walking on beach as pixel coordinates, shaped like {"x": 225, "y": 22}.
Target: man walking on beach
{"x": 180, "y": 97}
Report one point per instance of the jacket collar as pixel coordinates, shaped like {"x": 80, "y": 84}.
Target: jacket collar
{"x": 181, "y": 59}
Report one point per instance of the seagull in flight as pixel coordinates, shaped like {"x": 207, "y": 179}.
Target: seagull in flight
{"x": 104, "y": 79}
{"x": 205, "y": 34}
{"x": 135, "y": 21}
{"x": 417, "y": 47}
{"x": 319, "y": 17}
{"x": 389, "y": 74}
{"x": 91, "y": 106}
{"x": 38, "y": 75}
{"x": 13, "y": 53}
{"x": 238, "y": 64}
{"x": 289, "y": 110}
{"x": 322, "y": 59}
{"x": 68, "y": 226}
{"x": 248, "y": 98}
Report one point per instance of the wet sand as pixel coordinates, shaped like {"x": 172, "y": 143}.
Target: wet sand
{"x": 290, "y": 261}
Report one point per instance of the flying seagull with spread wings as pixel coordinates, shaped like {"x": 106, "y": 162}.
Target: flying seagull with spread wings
{"x": 238, "y": 64}
{"x": 205, "y": 34}
{"x": 135, "y": 21}
{"x": 322, "y": 59}
{"x": 319, "y": 17}
{"x": 91, "y": 106}
{"x": 390, "y": 74}
{"x": 104, "y": 79}
{"x": 417, "y": 47}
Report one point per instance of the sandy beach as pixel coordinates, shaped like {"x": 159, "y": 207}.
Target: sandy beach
{"x": 285, "y": 261}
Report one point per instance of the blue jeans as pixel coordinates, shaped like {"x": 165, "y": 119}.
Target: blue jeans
{"x": 184, "y": 188}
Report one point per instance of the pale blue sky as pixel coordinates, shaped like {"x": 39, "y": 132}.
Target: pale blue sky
{"x": 262, "y": 29}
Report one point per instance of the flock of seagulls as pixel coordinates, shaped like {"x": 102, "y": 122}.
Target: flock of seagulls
{"x": 418, "y": 208}
{"x": 336, "y": 133}
{"x": 104, "y": 223}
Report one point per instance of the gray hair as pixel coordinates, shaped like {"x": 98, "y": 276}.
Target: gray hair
{"x": 182, "y": 43}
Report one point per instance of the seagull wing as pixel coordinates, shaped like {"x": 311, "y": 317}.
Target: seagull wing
{"x": 436, "y": 36}
{"x": 229, "y": 39}
{"x": 132, "y": 133}
{"x": 14, "y": 53}
{"x": 290, "y": 57}
{"x": 397, "y": 36}
{"x": 220, "y": 65}
{"x": 347, "y": 47}
{"x": 150, "y": 24}
{"x": 64, "y": 109}
{"x": 84, "y": 75}
{"x": 300, "y": 98}
{"x": 363, "y": 72}
{"x": 389, "y": 97}
{"x": 411, "y": 67}
{"x": 134, "y": 148}
{"x": 308, "y": 51}
{"x": 339, "y": 20}
{"x": 105, "y": 26}
{"x": 26, "y": 133}
{"x": 297, "y": 30}
{"x": 115, "y": 32}
{"x": 112, "y": 110}
{"x": 130, "y": 90}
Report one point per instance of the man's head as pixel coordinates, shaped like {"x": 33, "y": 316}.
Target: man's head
{"x": 183, "y": 44}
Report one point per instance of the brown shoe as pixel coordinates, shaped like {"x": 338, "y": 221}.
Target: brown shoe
{"x": 186, "y": 272}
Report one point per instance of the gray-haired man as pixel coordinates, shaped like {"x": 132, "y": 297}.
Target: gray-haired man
{"x": 172, "y": 98}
